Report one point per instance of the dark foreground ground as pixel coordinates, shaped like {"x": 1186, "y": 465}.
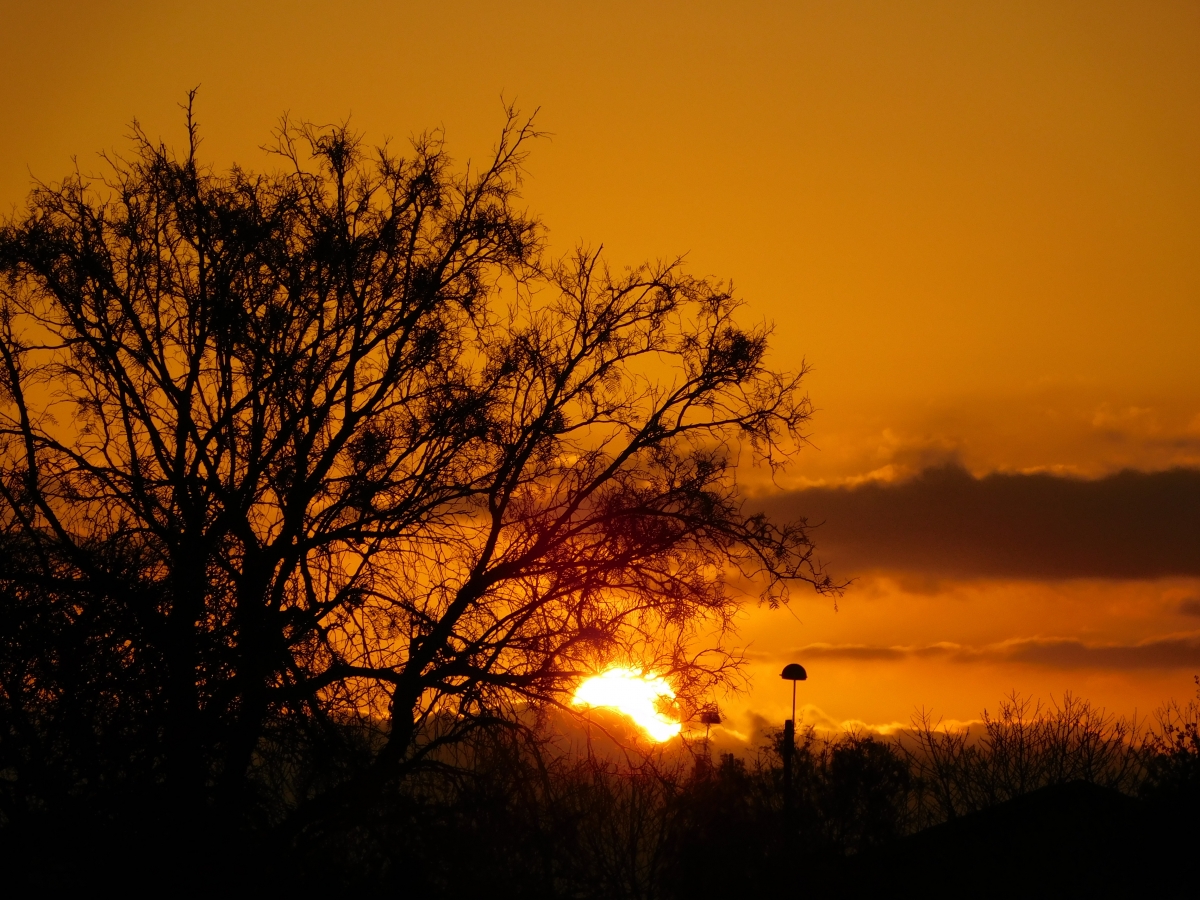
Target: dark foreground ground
{"x": 1067, "y": 840}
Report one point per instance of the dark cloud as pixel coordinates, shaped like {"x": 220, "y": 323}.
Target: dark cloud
{"x": 945, "y": 522}
{"x": 1190, "y": 606}
{"x": 1162, "y": 653}
{"x": 867, "y": 652}
{"x": 1173, "y": 652}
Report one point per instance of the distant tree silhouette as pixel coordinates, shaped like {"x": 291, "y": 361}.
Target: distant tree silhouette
{"x": 1173, "y": 764}
{"x": 1025, "y": 747}
{"x": 306, "y": 474}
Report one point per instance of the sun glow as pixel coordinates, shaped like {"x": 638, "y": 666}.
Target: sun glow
{"x": 634, "y": 694}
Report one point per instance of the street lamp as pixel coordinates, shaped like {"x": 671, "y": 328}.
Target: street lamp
{"x": 792, "y": 672}
{"x": 709, "y": 716}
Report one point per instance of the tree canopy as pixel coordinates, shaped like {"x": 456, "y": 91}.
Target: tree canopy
{"x": 335, "y": 462}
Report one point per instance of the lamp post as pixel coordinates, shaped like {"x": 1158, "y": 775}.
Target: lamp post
{"x": 709, "y": 716}
{"x": 792, "y": 672}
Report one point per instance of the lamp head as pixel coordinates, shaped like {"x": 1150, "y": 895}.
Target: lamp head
{"x": 794, "y": 672}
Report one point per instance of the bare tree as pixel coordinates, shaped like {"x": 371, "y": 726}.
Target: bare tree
{"x": 336, "y": 445}
{"x": 1026, "y": 746}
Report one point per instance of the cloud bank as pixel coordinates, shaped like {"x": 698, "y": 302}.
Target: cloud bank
{"x": 946, "y": 522}
{"x": 1168, "y": 652}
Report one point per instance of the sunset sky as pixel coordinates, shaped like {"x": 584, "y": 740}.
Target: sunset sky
{"x": 979, "y": 223}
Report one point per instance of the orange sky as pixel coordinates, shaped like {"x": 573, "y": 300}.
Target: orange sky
{"x": 977, "y": 222}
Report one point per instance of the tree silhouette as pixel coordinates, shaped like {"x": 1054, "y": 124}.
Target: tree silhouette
{"x": 331, "y": 460}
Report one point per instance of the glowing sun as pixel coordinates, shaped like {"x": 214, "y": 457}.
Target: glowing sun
{"x": 634, "y": 694}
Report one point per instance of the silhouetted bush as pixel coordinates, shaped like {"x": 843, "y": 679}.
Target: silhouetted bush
{"x": 1172, "y": 765}
{"x": 543, "y": 823}
{"x": 513, "y": 813}
{"x": 514, "y": 817}
{"x": 1025, "y": 747}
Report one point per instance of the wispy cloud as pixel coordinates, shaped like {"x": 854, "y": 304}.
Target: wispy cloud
{"x": 1181, "y": 651}
{"x": 809, "y": 714}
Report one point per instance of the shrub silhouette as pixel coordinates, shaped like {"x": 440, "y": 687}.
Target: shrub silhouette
{"x": 1172, "y": 776}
